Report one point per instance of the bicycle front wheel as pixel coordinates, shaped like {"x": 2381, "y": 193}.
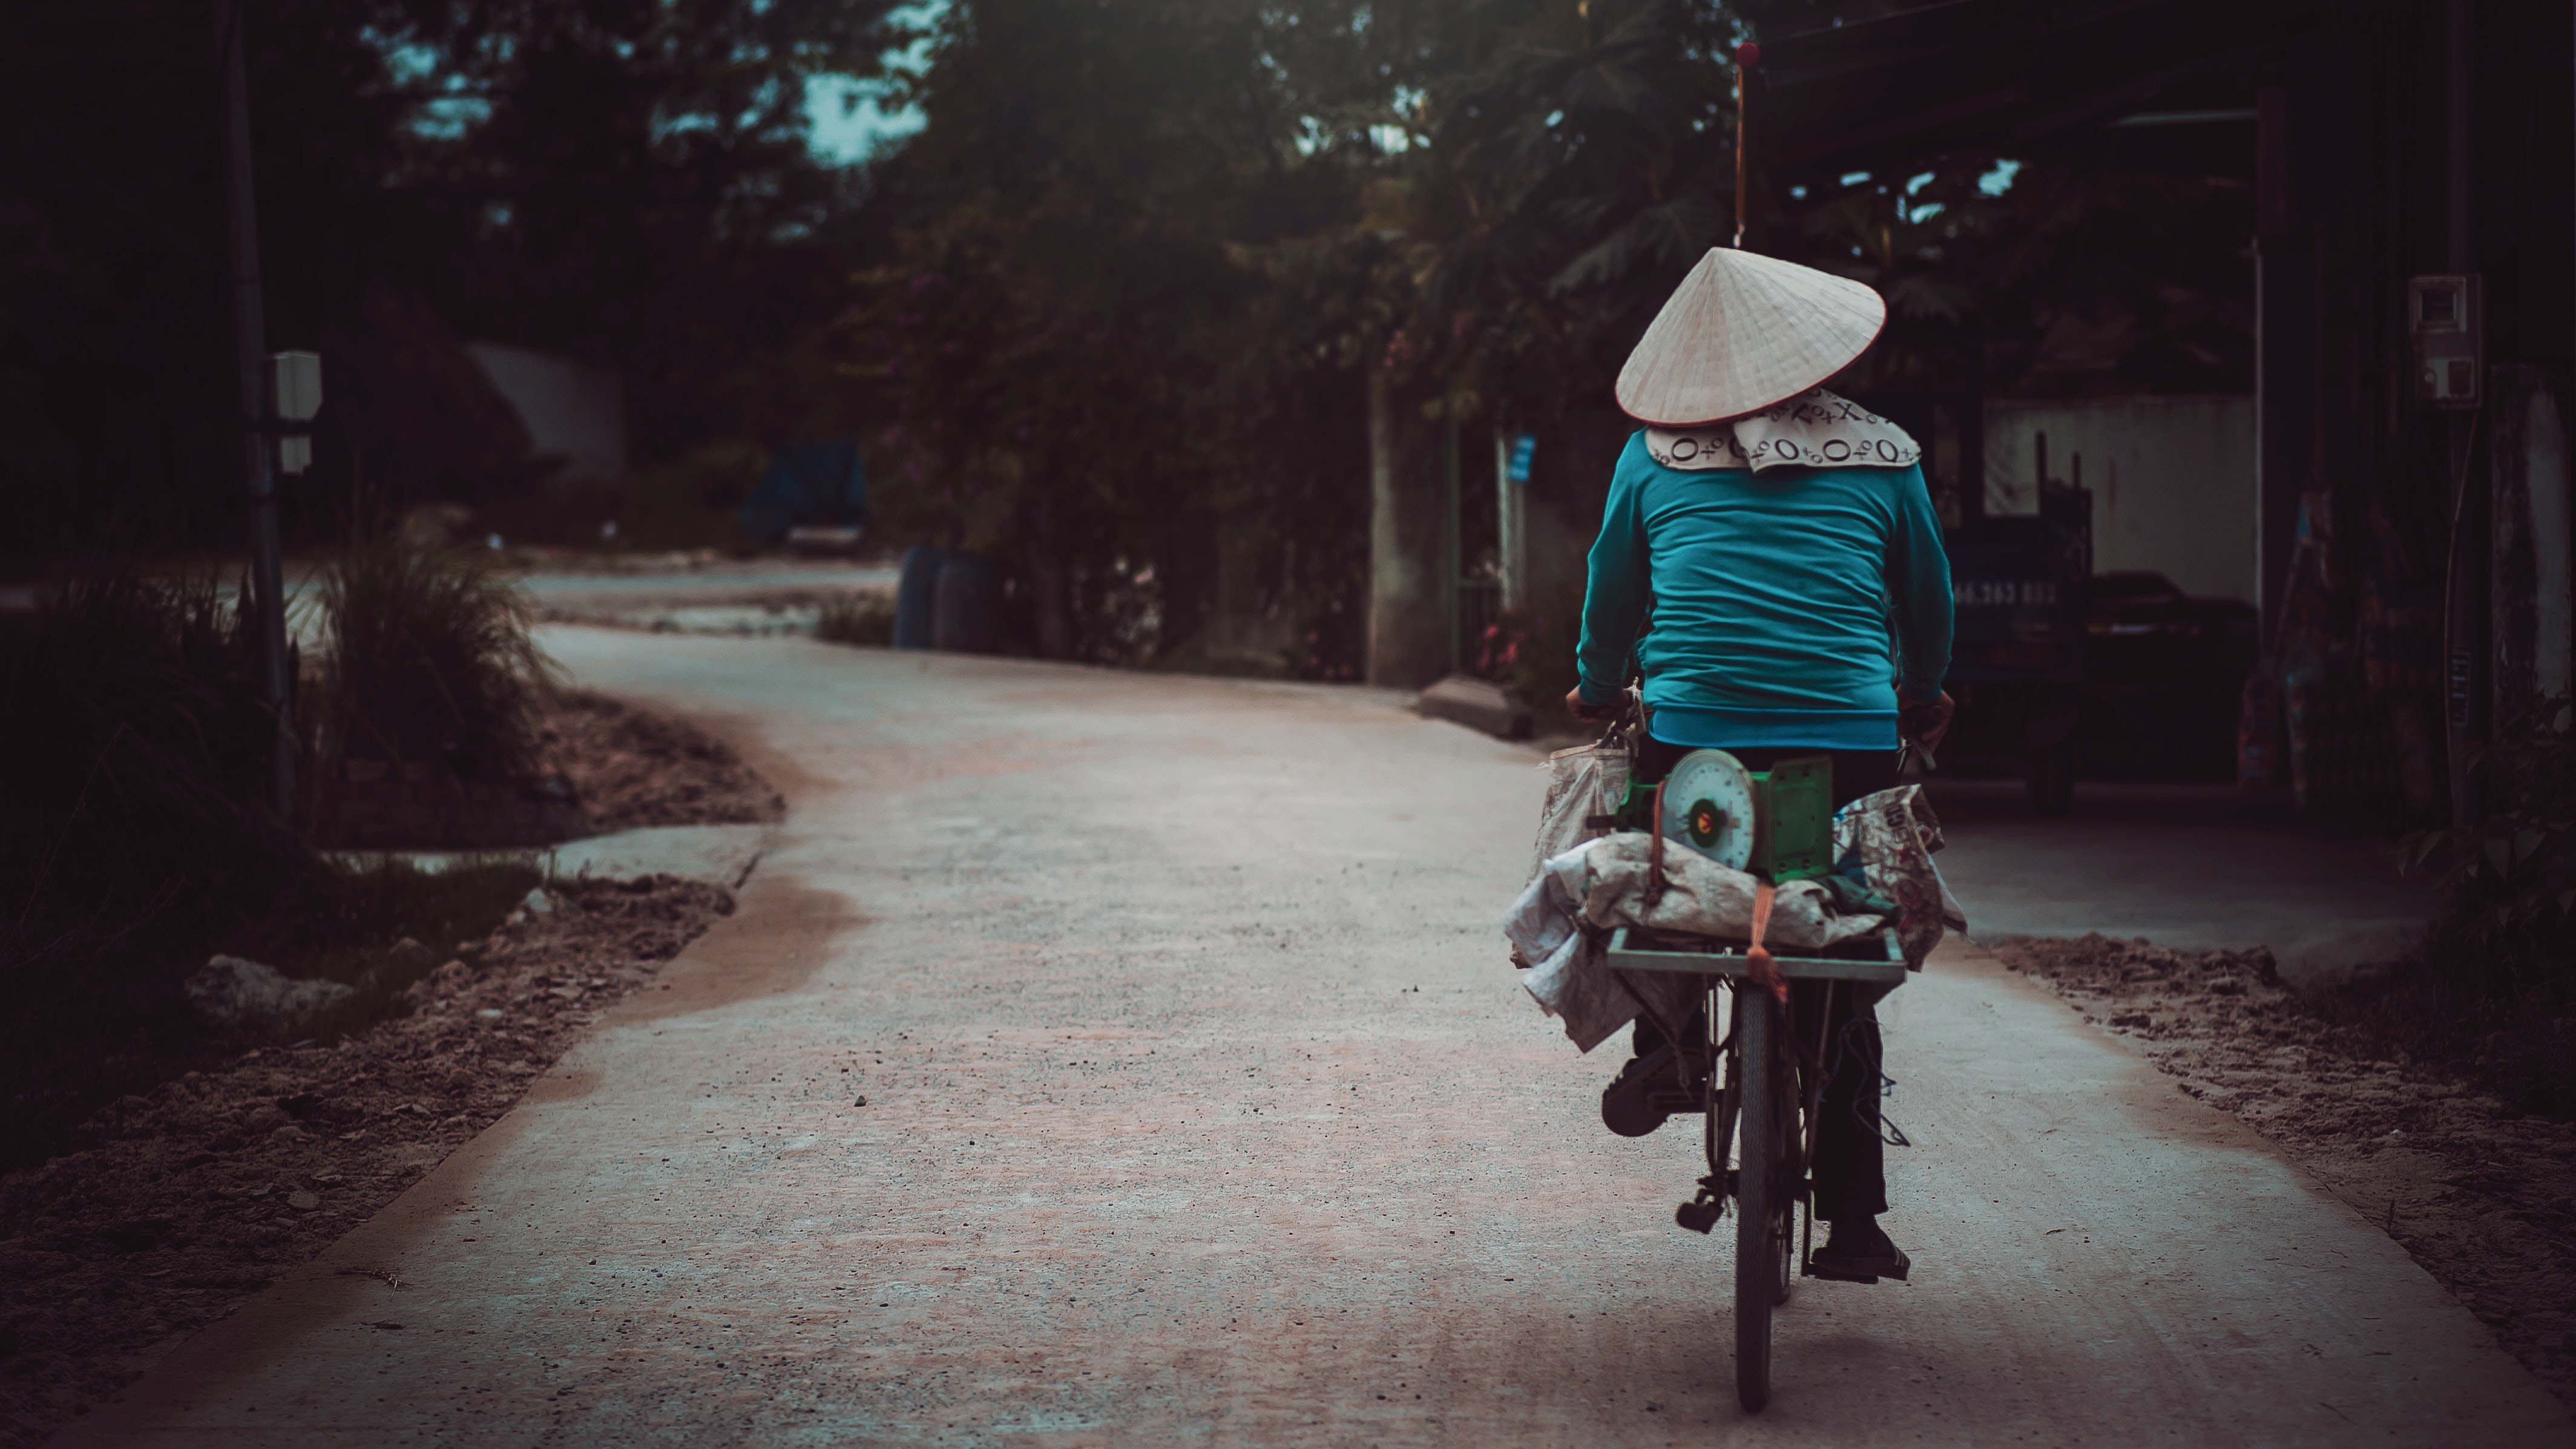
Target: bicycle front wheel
{"x": 1757, "y": 1192}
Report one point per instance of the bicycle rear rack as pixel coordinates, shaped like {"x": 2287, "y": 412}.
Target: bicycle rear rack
{"x": 1709, "y": 956}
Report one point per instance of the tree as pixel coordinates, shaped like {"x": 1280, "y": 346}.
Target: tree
{"x": 627, "y": 183}
{"x": 1148, "y": 251}
{"x": 632, "y": 184}
{"x": 2074, "y": 276}
{"x": 115, "y": 381}
{"x": 1086, "y": 368}
{"x": 1577, "y": 166}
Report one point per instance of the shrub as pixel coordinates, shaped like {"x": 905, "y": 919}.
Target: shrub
{"x": 690, "y": 502}
{"x": 2512, "y": 877}
{"x": 133, "y": 824}
{"x": 857, "y": 619}
{"x": 139, "y": 742}
{"x": 135, "y": 837}
{"x": 2491, "y": 990}
{"x": 428, "y": 659}
{"x": 1530, "y": 651}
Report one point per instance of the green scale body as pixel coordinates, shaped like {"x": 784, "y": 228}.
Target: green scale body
{"x": 1793, "y": 817}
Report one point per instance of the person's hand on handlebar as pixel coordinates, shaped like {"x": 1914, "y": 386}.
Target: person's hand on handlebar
{"x": 1926, "y": 724}
{"x": 1575, "y": 706}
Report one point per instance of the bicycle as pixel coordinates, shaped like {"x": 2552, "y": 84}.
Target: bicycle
{"x": 1752, "y": 1073}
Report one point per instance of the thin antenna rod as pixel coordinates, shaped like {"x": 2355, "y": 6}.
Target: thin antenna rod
{"x": 1747, "y": 56}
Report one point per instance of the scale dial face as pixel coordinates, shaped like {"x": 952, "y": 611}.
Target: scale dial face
{"x": 1708, "y": 806}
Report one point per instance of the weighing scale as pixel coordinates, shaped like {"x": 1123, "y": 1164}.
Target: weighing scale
{"x": 1777, "y": 824}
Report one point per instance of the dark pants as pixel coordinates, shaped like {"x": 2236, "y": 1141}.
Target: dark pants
{"x": 1851, "y": 1159}
{"x": 1850, "y": 1169}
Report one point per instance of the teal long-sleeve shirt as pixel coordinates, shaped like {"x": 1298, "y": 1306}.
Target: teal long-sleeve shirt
{"x": 1779, "y": 609}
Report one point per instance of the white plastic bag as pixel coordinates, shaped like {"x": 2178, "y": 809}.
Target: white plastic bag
{"x": 1699, "y": 897}
{"x": 1560, "y": 959}
{"x": 1895, "y": 835}
{"x": 1583, "y": 782}
{"x": 1562, "y": 923}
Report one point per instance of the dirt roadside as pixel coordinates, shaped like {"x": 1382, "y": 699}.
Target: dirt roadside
{"x": 631, "y": 768}
{"x": 2482, "y": 1197}
{"x": 196, "y": 1195}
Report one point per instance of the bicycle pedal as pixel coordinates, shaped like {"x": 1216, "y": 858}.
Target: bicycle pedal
{"x": 1704, "y": 1209}
{"x": 1830, "y": 1276}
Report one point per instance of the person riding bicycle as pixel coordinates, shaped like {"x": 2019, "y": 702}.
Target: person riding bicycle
{"x": 1770, "y": 554}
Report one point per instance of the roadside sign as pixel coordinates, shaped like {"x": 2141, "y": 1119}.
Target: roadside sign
{"x": 296, "y": 384}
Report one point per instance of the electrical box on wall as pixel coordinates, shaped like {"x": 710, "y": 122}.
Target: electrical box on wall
{"x": 2446, "y": 316}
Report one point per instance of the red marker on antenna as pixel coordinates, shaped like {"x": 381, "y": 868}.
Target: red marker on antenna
{"x": 1748, "y": 54}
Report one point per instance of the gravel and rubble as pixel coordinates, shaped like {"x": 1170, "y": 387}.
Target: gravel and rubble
{"x": 200, "y": 1193}
{"x": 632, "y": 768}
{"x": 2483, "y": 1197}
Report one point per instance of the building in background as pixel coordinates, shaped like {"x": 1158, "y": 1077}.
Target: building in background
{"x": 2172, "y": 479}
{"x": 575, "y": 414}
{"x": 2409, "y": 524}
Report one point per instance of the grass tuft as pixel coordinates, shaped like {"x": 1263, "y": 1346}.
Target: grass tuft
{"x": 139, "y": 740}
{"x": 866, "y": 619}
{"x": 135, "y": 837}
{"x": 429, "y": 659}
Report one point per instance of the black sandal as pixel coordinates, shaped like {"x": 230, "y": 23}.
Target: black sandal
{"x": 1627, "y": 1105}
{"x": 1866, "y": 1267}
{"x": 1858, "y": 1270}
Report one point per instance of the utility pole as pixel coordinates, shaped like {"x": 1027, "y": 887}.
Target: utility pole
{"x": 2465, "y": 662}
{"x": 250, "y": 357}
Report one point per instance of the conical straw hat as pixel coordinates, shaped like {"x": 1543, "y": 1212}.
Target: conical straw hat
{"x": 1744, "y": 331}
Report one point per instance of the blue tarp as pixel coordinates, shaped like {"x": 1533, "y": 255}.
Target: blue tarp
{"x": 808, "y": 483}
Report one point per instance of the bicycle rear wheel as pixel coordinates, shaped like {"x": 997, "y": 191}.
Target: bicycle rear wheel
{"x": 1757, "y": 1190}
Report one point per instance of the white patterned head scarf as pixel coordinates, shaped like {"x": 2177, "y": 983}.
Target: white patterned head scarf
{"x": 1815, "y": 429}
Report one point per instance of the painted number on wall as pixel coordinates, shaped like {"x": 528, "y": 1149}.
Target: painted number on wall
{"x": 1994, "y": 593}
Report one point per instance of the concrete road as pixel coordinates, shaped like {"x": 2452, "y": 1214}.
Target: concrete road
{"x": 649, "y": 581}
{"x": 1203, "y": 1107}
{"x": 757, "y": 598}
{"x": 2194, "y": 867}
{"x": 732, "y": 579}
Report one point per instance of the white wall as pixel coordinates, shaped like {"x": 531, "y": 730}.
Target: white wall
{"x": 574, "y": 412}
{"x": 2172, "y": 480}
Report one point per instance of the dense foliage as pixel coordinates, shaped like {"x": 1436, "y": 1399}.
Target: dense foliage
{"x": 132, "y": 706}
{"x": 2514, "y": 873}
{"x": 628, "y": 184}
{"x": 137, "y": 836}
{"x": 1144, "y": 255}
{"x": 2491, "y": 990}
{"x": 1107, "y": 318}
